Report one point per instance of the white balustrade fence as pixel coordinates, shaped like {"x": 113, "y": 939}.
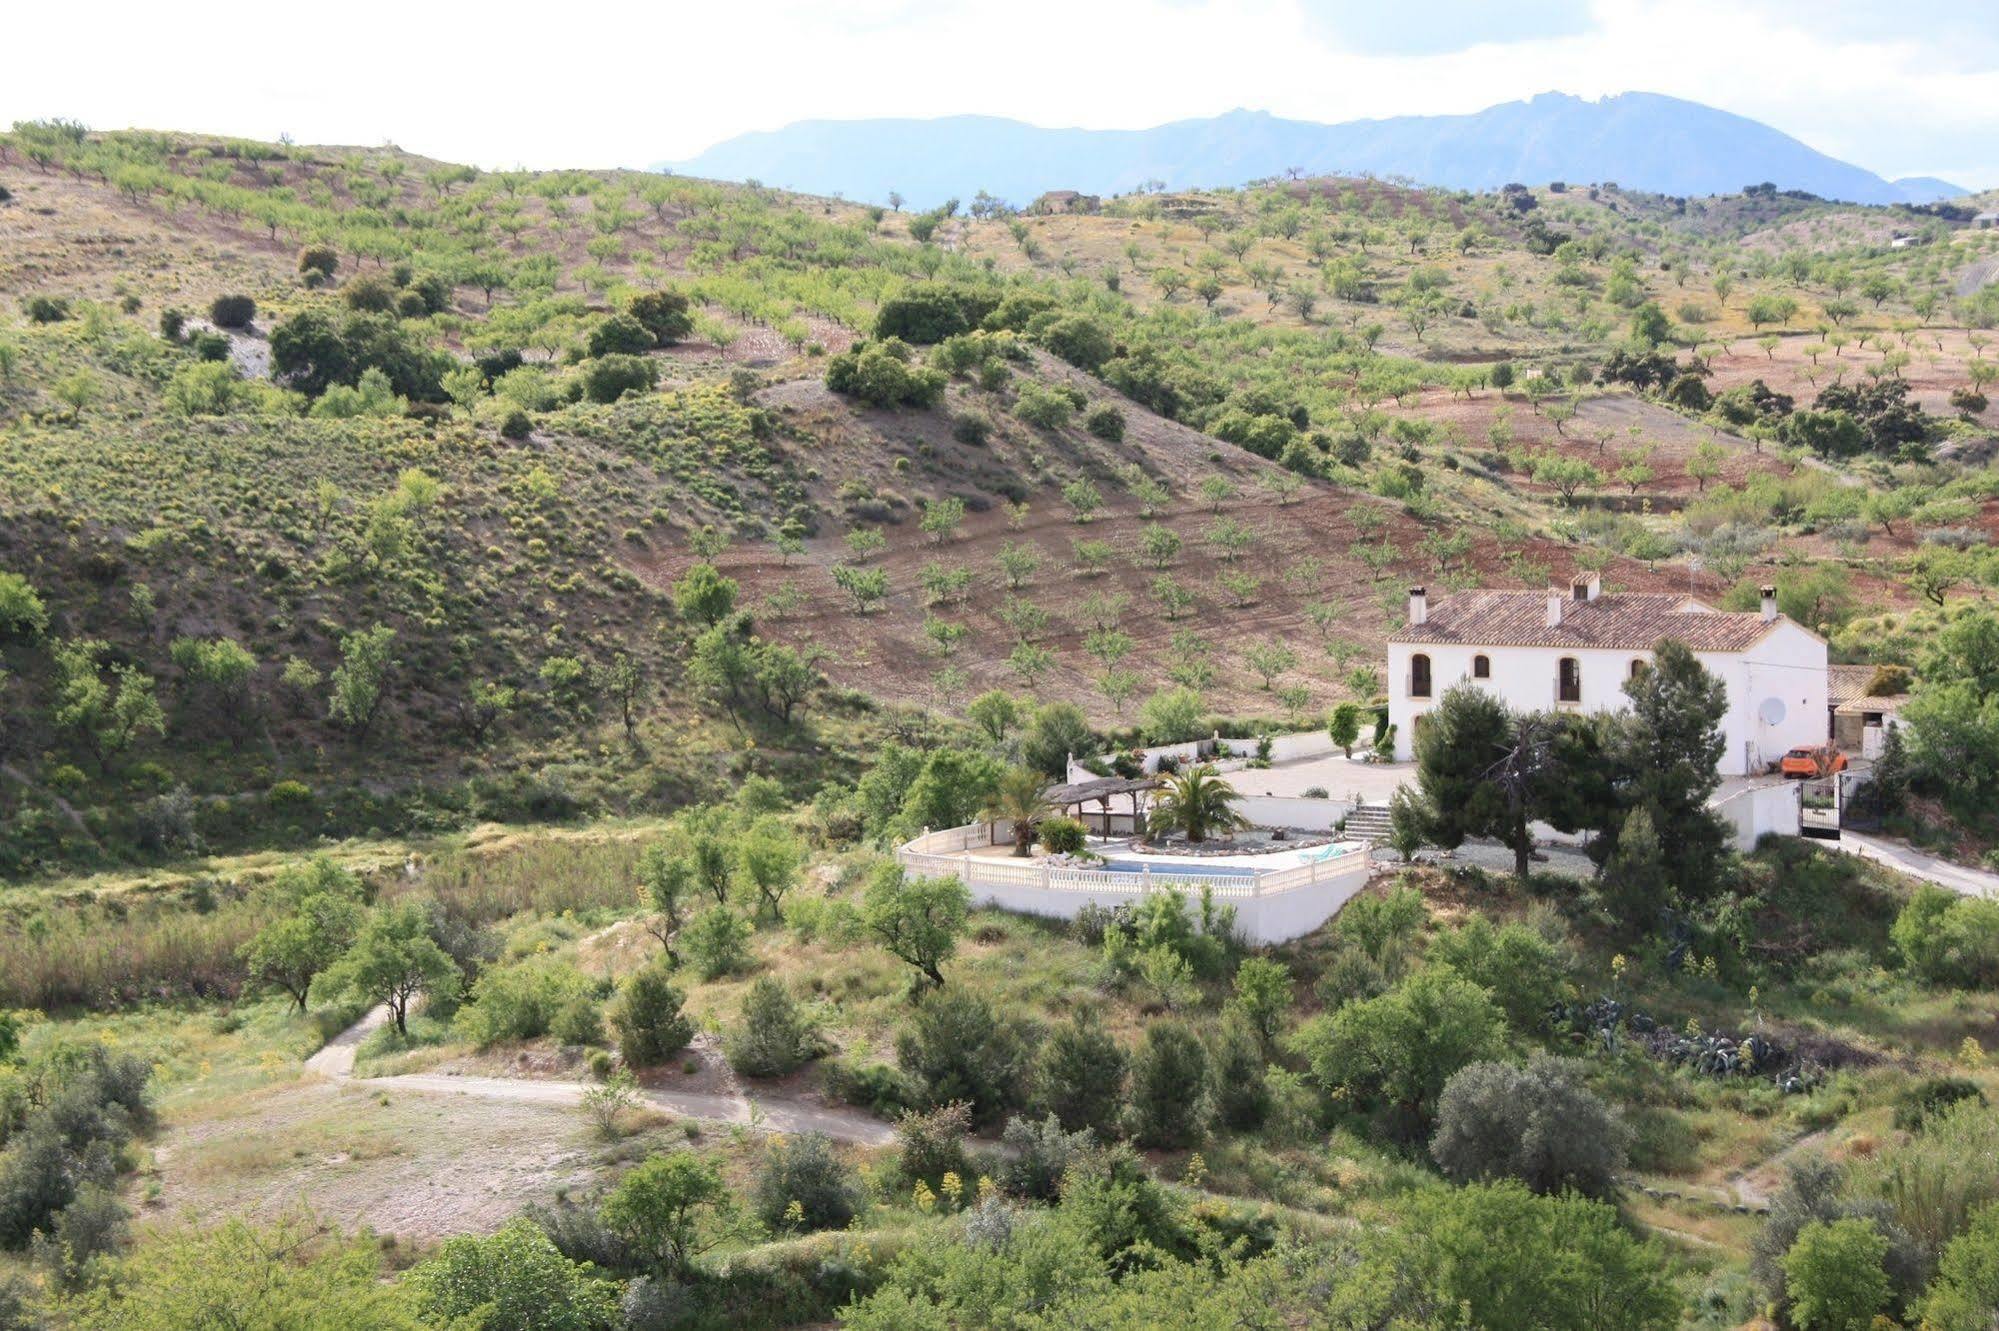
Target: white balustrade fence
{"x": 1272, "y": 906}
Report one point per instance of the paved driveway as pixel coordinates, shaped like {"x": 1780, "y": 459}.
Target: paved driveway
{"x": 1957, "y": 877}
{"x": 1354, "y": 782}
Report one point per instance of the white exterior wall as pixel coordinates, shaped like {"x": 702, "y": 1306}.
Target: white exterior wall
{"x": 1788, "y": 664}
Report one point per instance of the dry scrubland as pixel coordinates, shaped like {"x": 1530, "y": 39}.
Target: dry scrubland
{"x": 545, "y": 568}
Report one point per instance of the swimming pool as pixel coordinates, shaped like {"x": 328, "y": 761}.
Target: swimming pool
{"x": 1179, "y": 869}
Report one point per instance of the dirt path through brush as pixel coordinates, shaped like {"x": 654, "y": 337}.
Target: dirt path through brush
{"x": 776, "y": 1114}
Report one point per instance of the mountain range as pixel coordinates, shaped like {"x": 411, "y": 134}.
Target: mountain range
{"x": 1639, "y": 140}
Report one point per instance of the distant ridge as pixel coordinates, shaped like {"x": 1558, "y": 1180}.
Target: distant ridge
{"x": 1639, "y": 140}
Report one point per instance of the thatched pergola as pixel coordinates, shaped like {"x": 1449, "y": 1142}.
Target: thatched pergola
{"x": 1076, "y": 794}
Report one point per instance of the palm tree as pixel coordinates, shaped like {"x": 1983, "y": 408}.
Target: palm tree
{"x": 1018, "y": 798}
{"x": 1195, "y": 803}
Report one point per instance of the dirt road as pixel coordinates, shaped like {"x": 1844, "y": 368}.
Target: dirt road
{"x": 778, "y": 1114}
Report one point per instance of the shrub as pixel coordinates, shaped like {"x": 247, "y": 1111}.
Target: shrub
{"x": 1105, "y": 422}
{"x": 932, "y": 1143}
{"x": 373, "y": 294}
{"x": 801, "y": 1186}
{"x": 172, "y": 324}
{"x": 1237, "y": 1072}
{"x": 232, "y": 311}
{"x": 515, "y": 1278}
{"x": 518, "y": 1002}
{"x": 621, "y": 334}
{"x": 1948, "y": 939}
{"x": 957, "y": 1050}
{"x": 648, "y": 1019}
{"x": 932, "y": 311}
{"x": 718, "y": 942}
{"x": 1834, "y": 1275}
{"x": 1062, "y": 836}
{"x": 1079, "y": 1075}
{"x": 1399, "y": 1049}
{"x": 578, "y": 1021}
{"x": 22, "y": 614}
{"x": 774, "y": 1038}
{"x": 608, "y": 378}
{"x": 1043, "y": 408}
{"x": 1538, "y": 1124}
{"x": 1037, "y": 1154}
{"x": 664, "y": 314}
{"x": 880, "y": 373}
{"x": 1917, "y": 1104}
{"x": 321, "y": 259}
{"x": 516, "y": 425}
{"x": 209, "y": 347}
{"x": 972, "y": 427}
{"x": 45, "y": 309}
{"x": 1522, "y": 969}
{"x": 1169, "y": 1074}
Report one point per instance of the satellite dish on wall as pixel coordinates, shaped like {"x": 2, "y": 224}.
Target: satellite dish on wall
{"x": 1772, "y": 711}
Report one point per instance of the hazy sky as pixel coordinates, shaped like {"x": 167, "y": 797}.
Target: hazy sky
{"x": 1903, "y": 88}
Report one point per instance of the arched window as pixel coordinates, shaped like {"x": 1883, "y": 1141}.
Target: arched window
{"x": 1481, "y": 667}
{"x": 1638, "y": 666}
{"x": 1419, "y": 676}
{"x": 1569, "y": 681}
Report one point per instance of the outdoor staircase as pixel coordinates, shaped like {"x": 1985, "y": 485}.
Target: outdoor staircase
{"x": 1369, "y": 822}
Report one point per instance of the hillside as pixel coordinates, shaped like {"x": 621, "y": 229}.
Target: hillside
{"x": 473, "y": 643}
{"x": 1639, "y": 140}
{"x": 1209, "y": 441}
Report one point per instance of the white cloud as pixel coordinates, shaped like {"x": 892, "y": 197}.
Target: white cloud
{"x": 591, "y": 83}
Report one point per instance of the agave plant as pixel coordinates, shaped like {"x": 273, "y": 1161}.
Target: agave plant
{"x": 1018, "y": 798}
{"x": 1195, "y": 803}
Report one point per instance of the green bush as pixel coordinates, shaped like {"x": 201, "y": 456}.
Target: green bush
{"x": 518, "y": 1002}
{"x": 621, "y": 334}
{"x": 958, "y": 1050}
{"x": 718, "y": 942}
{"x": 321, "y": 259}
{"x": 1079, "y": 1075}
{"x": 1037, "y": 1154}
{"x": 647, "y": 1017}
{"x": 372, "y": 294}
{"x": 1538, "y": 1124}
{"x": 1062, "y": 836}
{"x": 1169, "y": 1076}
{"x": 930, "y": 312}
{"x": 608, "y": 378}
{"x": 1917, "y": 1104}
{"x": 1043, "y": 408}
{"x": 578, "y": 1021}
{"x": 1105, "y": 422}
{"x": 972, "y": 427}
{"x": 801, "y": 1186}
{"x": 232, "y": 311}
{"x": 1834, "y": 1275}
{"x": 1948, "y": 939}
{"x": 664, "y": 314}
{"x": 774, "y": 1037}
{"x": 22, "y": 614}
{"x": 45, "y": 309}
{"x": 880, "y": 373}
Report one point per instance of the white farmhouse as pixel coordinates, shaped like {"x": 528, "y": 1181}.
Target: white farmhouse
{"x": 1572, "y": 652}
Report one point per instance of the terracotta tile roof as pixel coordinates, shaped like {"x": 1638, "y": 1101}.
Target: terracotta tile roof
{"x": 1843, "y": 683}
{"x": 1626, "y": 621}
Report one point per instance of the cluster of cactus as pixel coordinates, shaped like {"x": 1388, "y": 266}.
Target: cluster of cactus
{"x": 1606, "y": 1021}
{"x": 1714, "y": 1055}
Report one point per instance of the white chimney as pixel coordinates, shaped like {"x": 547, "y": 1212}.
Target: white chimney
{"x": 1554, "y": 608}
{"x": 1419, "y": 606}
{"x": 1769, "y": 604}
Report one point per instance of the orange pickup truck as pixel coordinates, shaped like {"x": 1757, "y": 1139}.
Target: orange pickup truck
{"x": 1812, "y": 764}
